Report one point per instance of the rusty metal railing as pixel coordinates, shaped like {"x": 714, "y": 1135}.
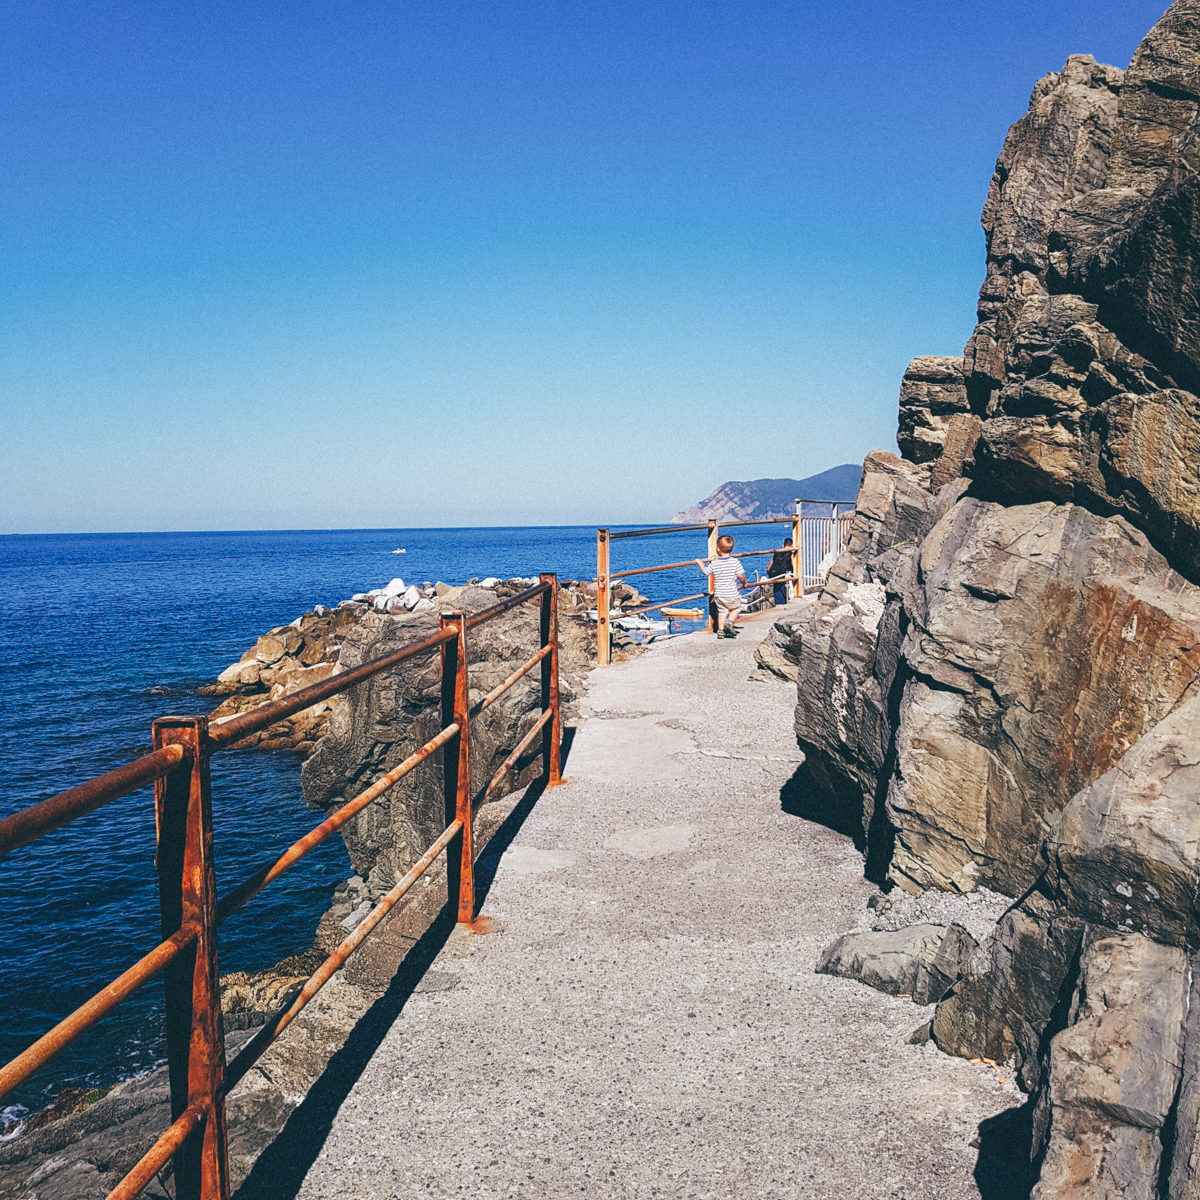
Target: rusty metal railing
{"x": 191, "y": 912}
{"x": 803, "y": 573}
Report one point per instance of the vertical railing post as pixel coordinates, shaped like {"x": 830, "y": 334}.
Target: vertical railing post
{"x": 713, "y": 532}
{"x": 603, "y": 647}
{"x": 552, "y": 744}
{"x": 799, "y": 584}
{"x": 456, "y": 766}
{"x": 187, "y": 896}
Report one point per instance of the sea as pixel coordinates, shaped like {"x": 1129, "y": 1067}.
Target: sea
{"x": 104, "y": 633}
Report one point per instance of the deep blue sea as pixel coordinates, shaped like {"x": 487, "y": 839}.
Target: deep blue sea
{"x": 104, "y": 633}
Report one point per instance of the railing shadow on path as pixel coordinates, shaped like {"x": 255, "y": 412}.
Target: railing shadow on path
{"x": 280, "y": 1171}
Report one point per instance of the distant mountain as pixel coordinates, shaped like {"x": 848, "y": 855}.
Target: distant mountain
{"x": 758, "y": 499}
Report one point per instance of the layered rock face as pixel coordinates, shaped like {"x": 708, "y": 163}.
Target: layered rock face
{"x": 1001, "y": 679}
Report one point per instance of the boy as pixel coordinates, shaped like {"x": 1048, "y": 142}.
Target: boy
{"x": 726, "y": 571}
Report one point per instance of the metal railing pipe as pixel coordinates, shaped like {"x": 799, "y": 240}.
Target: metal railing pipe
{"x": 603, "y": 583}
{"x": 153, "y": 1161}
{"x": 294, "y": 853}
{"x": 456, "y": 764}
{"x": 187, "y": 895}
{"x": 521, "y": 747}
{"x": 232, "y": 729}
{"x": 551, "y": 746}
{"x": 501, "y": 688}
{"x": 33, "y": 822}
{"x": 30, "y": 1060}
{"x": 321, "y": 976}
{"x": 503, "y": 606}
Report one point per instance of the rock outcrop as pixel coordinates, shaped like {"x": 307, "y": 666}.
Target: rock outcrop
{"x": 998, "y": 681}
{"x": 381, "y": 722}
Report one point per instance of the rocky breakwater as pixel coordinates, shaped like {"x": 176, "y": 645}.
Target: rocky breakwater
{"x": 308, "y": 650}
{"x": 998, "y": 684}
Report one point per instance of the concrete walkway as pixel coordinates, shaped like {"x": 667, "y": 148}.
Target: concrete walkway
{"x": 647, "y": 1021}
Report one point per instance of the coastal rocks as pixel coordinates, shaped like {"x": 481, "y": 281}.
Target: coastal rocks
{"x": 1126, "y": 853}
{"x": 380, "y": 722}
{"x": 1055, "y": 153}
{"x": 291, "y": 657}
{"x": 847, "y": 696}
{"x": 921, "y": 961}
{"x": 1085, "y": 365}
{"x": 932, "y": 392}
{"x": 1021, "y": 715}
{"x": 1044, "y": 641}
{"x": 778, "y": 655}
{"x": 1115, "y": 1070}
{"x": 1005, "y": 1000}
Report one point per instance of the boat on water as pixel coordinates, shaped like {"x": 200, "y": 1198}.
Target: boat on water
{"x": 636, "y": 621}
{"x": 693, "y": 614}
{"x": 400, "y": 551}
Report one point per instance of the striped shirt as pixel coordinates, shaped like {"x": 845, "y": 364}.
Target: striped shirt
{"x": 725, "y": 572}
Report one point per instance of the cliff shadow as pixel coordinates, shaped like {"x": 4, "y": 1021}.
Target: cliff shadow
{"x": 1004, "y": 1170}
{"x": 280, "y": 1171}
{"x": 802, "y": 796}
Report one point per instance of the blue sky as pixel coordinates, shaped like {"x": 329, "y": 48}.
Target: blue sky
{"x": 461, "y": 262}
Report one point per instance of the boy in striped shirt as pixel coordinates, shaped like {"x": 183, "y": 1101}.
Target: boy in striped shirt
{"x": 725, "y": 571}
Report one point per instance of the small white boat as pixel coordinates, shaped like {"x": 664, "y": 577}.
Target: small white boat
{"x": 642, "y": 624}
{"x": 401, "y": 551}
{"x": 636, "y": 621}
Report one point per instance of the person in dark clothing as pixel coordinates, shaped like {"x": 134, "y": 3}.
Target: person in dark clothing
{"x": 781, "y": 564}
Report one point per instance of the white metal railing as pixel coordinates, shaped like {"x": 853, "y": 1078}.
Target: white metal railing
{"x": 822, "y": 539}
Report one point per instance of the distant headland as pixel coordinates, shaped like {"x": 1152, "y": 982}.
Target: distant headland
{"x": 760, "y": 499}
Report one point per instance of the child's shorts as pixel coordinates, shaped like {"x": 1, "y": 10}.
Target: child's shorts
{"x": 731, "y": 604}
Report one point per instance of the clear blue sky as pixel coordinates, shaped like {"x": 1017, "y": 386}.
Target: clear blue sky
{"x": 482, "y": 261}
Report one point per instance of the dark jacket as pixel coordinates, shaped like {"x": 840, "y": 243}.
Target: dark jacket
{"x": 781, "y": 563}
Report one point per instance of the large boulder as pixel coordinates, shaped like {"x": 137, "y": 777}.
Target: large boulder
{"x": 1004, "y": 1002}
{"x": 1115, "y": 1070}
{"x": 1044, "y": 640}
{"x": 1126, "y": 853}
{"x": 921, "y": 961}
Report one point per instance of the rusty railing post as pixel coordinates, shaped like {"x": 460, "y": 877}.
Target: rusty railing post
{"x": 603, "y": 647}
{"x": 713, "y": 531}
{"x": 187, "y": 896}
{"x": 456, "y": 763}
{"x": 552, "y": 745}
{"x": 798, "y": 585}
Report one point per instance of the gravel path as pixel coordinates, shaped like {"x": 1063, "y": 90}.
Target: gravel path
{"x": 647, "y": 1022}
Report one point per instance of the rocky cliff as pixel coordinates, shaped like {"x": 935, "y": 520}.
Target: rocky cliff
{"x": 998, "y": 684}
{"x": 761, "y": 499}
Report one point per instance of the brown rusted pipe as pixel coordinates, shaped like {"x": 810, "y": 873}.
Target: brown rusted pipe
{"x": 156, "y": 1157}
{"x": 522, "y": 746}
{"x": 310, "y": 841}
{"x": 321, "y": 976}
{"x": 31, "y": 823}
{"x": 512, "y": 602}
{"x": 687, "y": 562}
{"x": 501, "y": 688}
{"x": 233, "y": 729}
{"x": 86, "y": 1015}
{"x": 617, "y": 614}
